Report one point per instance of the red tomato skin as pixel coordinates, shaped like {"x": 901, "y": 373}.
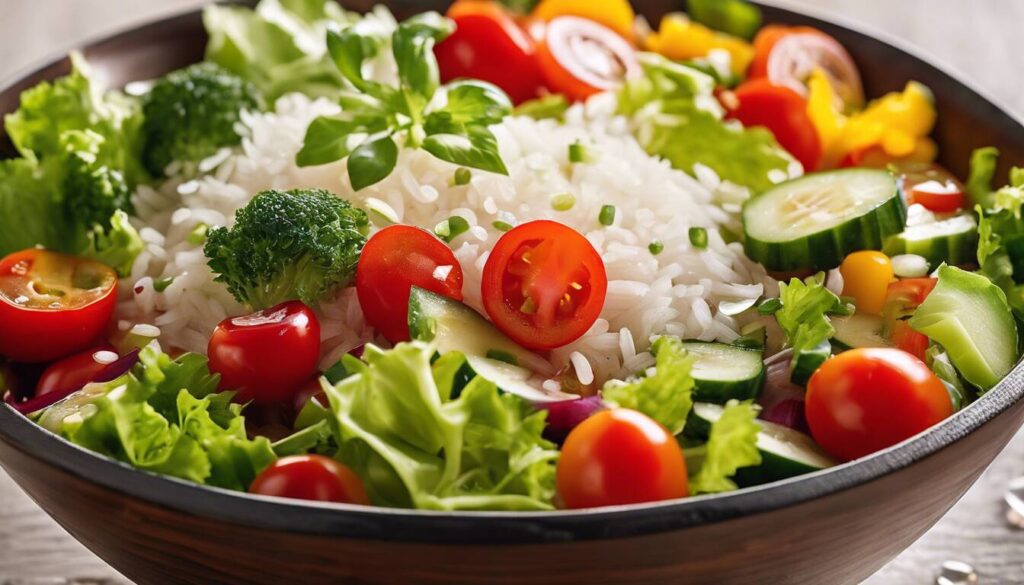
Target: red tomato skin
{"x": 620, "y": 456}
{"x": 867, "y": 399}
{"x": 43, "y": 335}
{"x": 782, "y": 111}
{"x": 267, "y": 356}
{"x": 72, "y": 372}
{"x": 394, "y": 260}
{"x": 765, "y": 41}
{"x": 488, "y": 44}
{"x": 910, "y": 341}
{"x": 932, "y": 186}
{"x": 574, "y": 252}
{"x": 310, "y": 477}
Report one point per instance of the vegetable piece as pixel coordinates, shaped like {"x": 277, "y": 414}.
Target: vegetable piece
{"x": 968, "y": 316}
{"x": 29, "y": 216}
{"x": 698, "y": 237}
{"x": 192, "y": 113}
{"x": 732, "y": 444}
{"x": 681, "y": 39}
{"x": 566, "y": 415}
{"x": 953, "y": 240}
{"x": 666, "y": 395}
{"x": 71, "y": 373}
{"x": 268, "y": 355}
{"x": 607, "y": 215}
{"x": 543, "y": 285}
{"x": 616, "y": 15}
{"x": 895, "y": 394}
{"x": 1000, "y": 229}
{"x": 866, "y": 278}
{"x": 859, "y": 330}
{"x": 414, "y": 444}
{"x": 579, "y": 58}
{"x": 618, "y": 457}
{"x": 396, "y": 259}
{"x": 782, "y": 111}
{"x": 724, "y": 372}
{"x": 310, "y": 477}
{"x": 803, "y": 317}
{"x": 735, "y": 17}
{"x": 983, "y": 170}
{"x": 550, "y": 107}
{"x": 52, "y": 305}
{"x": 813, "y": 222}
{"x": 300, "y": 244}
{"x": 807, "y": 360}
{"x": 932, "y": 186}
{"x": 488, "y": 45}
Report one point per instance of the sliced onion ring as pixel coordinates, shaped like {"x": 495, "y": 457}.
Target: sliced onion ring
{"x": 795, "y": 57}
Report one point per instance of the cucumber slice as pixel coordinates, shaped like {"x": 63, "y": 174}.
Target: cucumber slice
{"x": 813, "y": 222}
{"x": 953, "y": 240}
{"x": 513, "y": 379}
{"x": 807, "y": 361}
{"x": 784, "y": 451}
{"x": 858, "y": 330}
{"x": 724, "y": 372}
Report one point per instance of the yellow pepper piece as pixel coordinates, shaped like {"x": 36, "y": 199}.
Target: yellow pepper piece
{"x": 679, "y": 38}
{"x": 617, "y": 15}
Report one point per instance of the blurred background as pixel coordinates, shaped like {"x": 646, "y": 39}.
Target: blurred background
{"x": 978, "y": 40}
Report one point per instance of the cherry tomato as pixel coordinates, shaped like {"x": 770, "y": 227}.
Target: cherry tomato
{"x": 52, "y": 305}
{"x": 904, "y": 337}
{"x": 901, "y": 299}
{"x": 268, "y": 355}
{"x": 488, "y": 45}
{"x": 543, "y": 284}
{"x": 866, "y": 278}
{"x": 782, "y": 111}
{"x": 579, "y": 57}
{"x": 393, "y": 261}
{"x": 620, "y": 456}
{"x": 310, "y": 477}
{"x": 788, "y": 55}
{"x": 73, "y": 372}
{"x": 867, "y": 399}
{"x": 932, "y": 186}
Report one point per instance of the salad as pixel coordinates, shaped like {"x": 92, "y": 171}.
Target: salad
{"x": 520, "y": 256}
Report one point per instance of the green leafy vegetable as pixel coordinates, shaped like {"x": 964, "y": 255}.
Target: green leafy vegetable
{"x": 665, "y": 395}
{"x": 415, "y": 445}
{"x": 802, "y": 314}
{"x": 1000, "y": 227}
{"x": 29, "y": 213}
{"x": 938, "y": 361}
{"x": 735, "y": 17}
{"x": 731, "y": 445}
{"x": 300, "y": 244}
{"x": 551, "y": 106}
{"x": 983, "y": 171}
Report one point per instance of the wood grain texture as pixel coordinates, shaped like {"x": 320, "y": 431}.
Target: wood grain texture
{"x": 979, "y": 40}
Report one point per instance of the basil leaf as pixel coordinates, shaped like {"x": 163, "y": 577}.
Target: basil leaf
{"x": 475, "y": 146}
{"x": 327, "y": 138}
{"x": 351, "y": 48}
{"x": 472, "y": 101}
{"x": 371, "y": 162}
{"x": 551, "y": 106}
{"x": 413, "y": 47}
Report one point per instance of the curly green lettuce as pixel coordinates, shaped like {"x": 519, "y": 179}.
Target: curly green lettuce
{"x": 732, "y": 444}
{"x": 667, "y": 394}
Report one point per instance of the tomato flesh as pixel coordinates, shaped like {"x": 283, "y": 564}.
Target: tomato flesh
{"x": 932, "y": 186}
{"x": 266, "y": 356}
{"x": 782, "y": 111}
{"x": 310, "y": 477}
{"x": 867, "y": 399}
{"x": 488, "y": 45}
{"x": 579, "y": 57}
{"x": 52, "y": 305}
{"x": 394, "y": 260}
{"x": 617, "y": 457}
{"x": 544, "y": 284}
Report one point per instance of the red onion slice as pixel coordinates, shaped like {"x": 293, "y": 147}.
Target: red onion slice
{"x": 565, "y": 415}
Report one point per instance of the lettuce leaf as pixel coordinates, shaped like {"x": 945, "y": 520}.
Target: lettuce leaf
{"x": 731, "y": 445}
{"x": 415, "y": 444}
{"x": 803, "y": 316}
{"x": 1000, "y": 228}
{"x": 667, "y": 394}
{"x": 29, "y": 212}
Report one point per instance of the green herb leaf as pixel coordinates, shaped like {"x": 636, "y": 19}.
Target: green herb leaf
{"x": 412, "y": 45}
{"x": 474, "y": 146}
{"x": 371, "y": 162}
{"x": 350, "y": 49}
{"x": 479, "y": 102}
{"x": 327, "y": 138}
{"x": 551, "y": 106}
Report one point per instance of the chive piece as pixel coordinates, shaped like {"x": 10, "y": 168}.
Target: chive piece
{"x": 578, "y": 153}
{"x": 462, "y": 176}
{"x": 699, "y": 237}
{"x": 656, "y": 247}
{"x": 502, "y": 226}
{"x": 563, "y": 201}
{"x": 161, "y": 284}
{"x": 198, "y": 234}
{"x": 607, "y": 215}
{"x": 451, "y": 228}
{"x": 502, "y": 356}
{"x": 770, "y": 306}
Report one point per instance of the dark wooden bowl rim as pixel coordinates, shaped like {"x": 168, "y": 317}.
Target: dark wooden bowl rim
{"x": 347, "y": 521}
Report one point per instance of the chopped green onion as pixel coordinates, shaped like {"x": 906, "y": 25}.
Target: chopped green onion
{"x": 847, "y": 308}
{"x": 160, "y": 285}
{"x": 563, "y": 201}
{"x": 462, "y": 176}
{"x": 656, "y": 247}
{"x": 381, "y": 214}
{"x": 502, "y": 226}
{"x": 198, "y": 234}
{"x": 578, "y": 153}
{"x": 451, "y": 228}
{"x": 699, "y": 237}
{"x": 770, "y": 306}
{"x": 607, "y": 215}
{"x": 502, "y": 356}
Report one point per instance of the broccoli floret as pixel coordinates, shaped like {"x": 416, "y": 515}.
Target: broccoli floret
{"x": 300, "y": 244}
{"x": 93, "y": 191}
{"x": 191, "y": 113}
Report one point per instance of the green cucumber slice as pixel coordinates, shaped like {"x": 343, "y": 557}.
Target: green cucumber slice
{"x": 953, "y": 240}
{"x": 814, "y": 221}
{"x": 806, "y": 362}
{"x": 858, "y": 330}
{"x": 724, "y": 372}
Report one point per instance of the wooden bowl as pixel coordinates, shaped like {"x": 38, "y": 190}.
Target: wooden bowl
{"x": 836, "y": 526}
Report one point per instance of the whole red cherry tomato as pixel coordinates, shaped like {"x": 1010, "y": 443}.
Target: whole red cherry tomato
{"x": 310, "y": 477}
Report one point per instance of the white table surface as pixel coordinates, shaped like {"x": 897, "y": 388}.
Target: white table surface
{"x": 980, "y": 40}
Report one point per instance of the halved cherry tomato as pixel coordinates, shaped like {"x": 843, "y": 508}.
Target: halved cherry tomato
{"x": 931, "y": 186}
{"x": 867, "y": 399}
{"x": 620, "y": 456}
{"x": 866, "y": 278}
{"x": 544, "y": 284}
{"x": 310, "y": 477}
{"x": 782, "y": 111}
{"x": 579, "y": 57}
{"x": 73, "y": 372}
{"x": 910, "y": 341}
{"x": 268, "y": 355}
{"x": 901, "y": 299}
{"x": 393, "y": 261}
{"x": 52, "y": 305}
{"x": 488, "y": 44}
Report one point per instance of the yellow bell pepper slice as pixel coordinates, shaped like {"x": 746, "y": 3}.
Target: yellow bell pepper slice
{"x": 679, "y": 38}
{"x": 617, "y": 15}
